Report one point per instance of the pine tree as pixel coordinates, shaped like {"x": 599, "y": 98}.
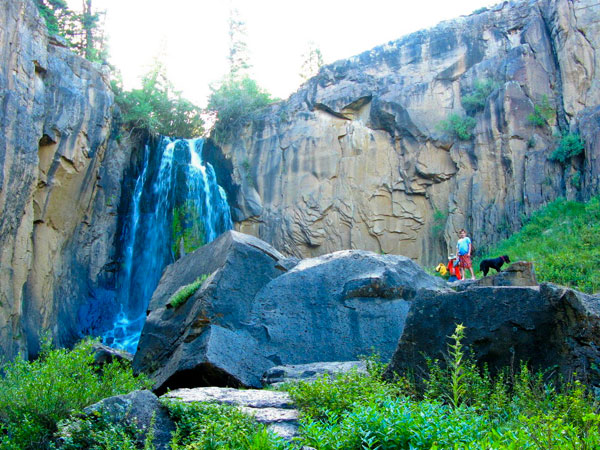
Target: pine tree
{"x": 312, "y": 61}
{"x": 239, "y": 60}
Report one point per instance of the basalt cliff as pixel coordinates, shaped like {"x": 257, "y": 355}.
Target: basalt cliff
{"x": 357, "y": 157}
{"x": 60, "y": 180}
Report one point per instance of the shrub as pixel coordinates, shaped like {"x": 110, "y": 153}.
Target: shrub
{"x": 475, "y": 101}
{"x": 233, "y": 102}
{"x": 98, "y": 431}
{"x": 182, "y": 294}
{"x": 204, "y": 426}
{"x": 518, "y": 412}
{"x": 543, "y": 113}
{"x": 158, "y": 107}
{"x": 36, "y": 395}
{"x": 570, "y": 145}
{"x": 458, "y": 126}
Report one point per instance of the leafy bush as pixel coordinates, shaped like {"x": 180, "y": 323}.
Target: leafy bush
{"x": 98, "y": 431}
{"x": 158, "y": 107}
{"x": 458, "y": 126}
{"x": 543, "y": 113}
{"x": 233, "y": 102}
{"x": 204, "y": 426}
{"x": 465, "y": 409}
{"x": 36, "y": 395}
{"x": 570, "y": 145}
{"x": 563, "y": 239}
{"x": 475, "y": 101}
{"x": 182, "y": 294}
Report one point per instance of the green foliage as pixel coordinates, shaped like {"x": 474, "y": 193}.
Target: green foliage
{"x": 439, "y": 222}
{"x": 182, "y": 294}
{"x": 203, "y": 426}
{"x": 463, "y": 408}
{"x": 575, "y": 180}
{"x": 475, "y": 101}
{"x": 158, "y": 107}
{"x": 36, "y": 395}
{"x": 570, "y": 145}
{"x": 54, "y": 13}
{"x": 81, "y": 30}
{"x": 187, "y": 230}
{"x": 98, "y": 431}
{"x": 233, "y": 102}
{"x": 543, "y": 113}
{"x": 458, "y": 126}
{"x": 563, "y": 239}
{"x": 338, "y": 394}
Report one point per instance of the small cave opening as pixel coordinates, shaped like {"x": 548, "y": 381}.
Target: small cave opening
{"x": 203, "y": 375}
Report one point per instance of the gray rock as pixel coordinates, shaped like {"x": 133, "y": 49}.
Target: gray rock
{"x": 520, "y": 273}
{"x": 203, "y": 342}
{"x": 310, "y": 372}
{"x": 545, "y": 325}
{"x": 104, "y": 354}
{"x": 138, "y": 408}
{"x": 273, "y": 408}
{"x": 250, "y": 315}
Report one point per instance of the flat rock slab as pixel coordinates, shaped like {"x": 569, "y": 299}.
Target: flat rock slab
{"x": 275, "y": 409}
{"x": 310, "y": 372}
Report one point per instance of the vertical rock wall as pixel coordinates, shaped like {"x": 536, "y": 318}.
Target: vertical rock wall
{"x": 57, "y": 202}
{"x": 357, "y": 159}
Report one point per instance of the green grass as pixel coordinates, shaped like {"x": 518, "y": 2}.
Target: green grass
{"x": 563, "y": 240}
{"x": 184, "y": 293}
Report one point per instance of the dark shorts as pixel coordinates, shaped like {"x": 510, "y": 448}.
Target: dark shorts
{"x": 465, "y": 261}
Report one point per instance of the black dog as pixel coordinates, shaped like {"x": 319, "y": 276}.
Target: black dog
{"x": 493, "y": 263}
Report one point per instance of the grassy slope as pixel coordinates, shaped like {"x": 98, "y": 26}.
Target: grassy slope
{"x": 563, "y": 239}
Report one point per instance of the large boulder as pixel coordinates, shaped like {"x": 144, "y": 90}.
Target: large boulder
{"x": 545, "y": 325}
{"x": 256, "y": 310}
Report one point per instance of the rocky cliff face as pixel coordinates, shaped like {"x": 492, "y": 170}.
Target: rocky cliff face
{"x": 58, "y": 200}
{"x": 357, "y": 159}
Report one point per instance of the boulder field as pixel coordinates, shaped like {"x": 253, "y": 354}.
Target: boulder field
{"x": 257, "y": 309}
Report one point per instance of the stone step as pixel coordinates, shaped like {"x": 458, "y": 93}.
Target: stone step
{"x": 275, "y": 409}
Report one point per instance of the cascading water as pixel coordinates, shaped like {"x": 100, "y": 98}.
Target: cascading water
{"x": 177, "y": 206}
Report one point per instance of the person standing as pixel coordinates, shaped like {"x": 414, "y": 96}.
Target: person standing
{"x": 463, "y": 250}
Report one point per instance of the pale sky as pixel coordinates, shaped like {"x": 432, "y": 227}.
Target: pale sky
{"x": 193, "y": 35}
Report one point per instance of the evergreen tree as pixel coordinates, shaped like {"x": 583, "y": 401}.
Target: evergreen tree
{"x": 312, "y": 61}
{"x": 239, "y": 60}
{"x": 82, "y": 31}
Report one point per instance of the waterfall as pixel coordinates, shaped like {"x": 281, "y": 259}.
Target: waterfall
{"x": 176, "y": 207}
